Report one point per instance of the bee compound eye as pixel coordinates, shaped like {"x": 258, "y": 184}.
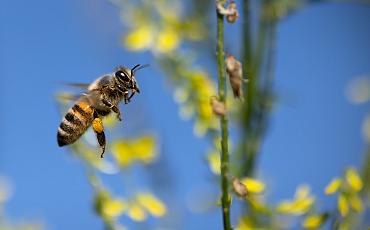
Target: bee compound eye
{"x": 122, "y": 76}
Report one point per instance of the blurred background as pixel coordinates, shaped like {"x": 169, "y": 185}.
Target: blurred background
{"x": 299, "y": 140}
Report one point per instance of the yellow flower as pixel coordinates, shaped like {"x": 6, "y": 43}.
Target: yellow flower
{"x": 193, "y": 30}
{"x": 353, "y": 179}
{"x": 108, "y": 207}
{"x": 168, "y": 40}
{"x": 253, "y": 185}
{"x": 245, "y": 223}
{"x": 333, "y": 186}
{"x": 181, "y": 95}
{"x": 140, "y": 38}
{"x": 153, "y": 205}
{"x": 136, "y": 212}
{"x": 205, "y": 110}
{"x": 314, "y": 221}
{"x": 257, "y": 204}
{"x": 142, "y": 149}
{"x": 301, "y": 204}
{"x": 122, "y": 151}
{"x": 303, "y": 191}
{"x": 214, "y": 162}
{"x": 113, "y": 207}
{"x": 355, "y": 202}
{"x": 343, "y": 205}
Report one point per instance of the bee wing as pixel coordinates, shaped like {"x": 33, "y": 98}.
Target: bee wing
{"x": 65, "y": 97}
{"x": 78, "y": 85}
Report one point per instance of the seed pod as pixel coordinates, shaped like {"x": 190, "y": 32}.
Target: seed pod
{"x": 239, "y": 188}
{"x": 233, "y": 14}
{"x": 235, "y": 73}
{"x": 218, "y": 108}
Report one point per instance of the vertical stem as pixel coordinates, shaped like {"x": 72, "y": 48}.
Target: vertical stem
{"x": 223, "y": 122}
{"x": 366, "y": 173}
{"x": 252, "y": 61}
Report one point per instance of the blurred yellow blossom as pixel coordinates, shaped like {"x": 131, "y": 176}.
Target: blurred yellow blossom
{"x": 245, "y": 223}
{"x": 113, "y": 207}
{"x": 136, "y": 208}
{"x": 106, "y": 206}
{"x": 349, "y": 188}
{"x": 257, "y": 204}
{"x": 163, "y": 36}
{"x": 253, "y": 185}
{"x": 214, "y": 162}
{"x": 202, "y": 88}
{"x": 333, "y": 186}
{"x": 161, "y": 27}
{"x": 140, "y": 38}
{"x": 169, "y": 11}
{"x": 302, "y": 192}
{"x": 89, "y": 155}
{"x": 301, "y": 203}
{"x": 358, "y": 90}
{"x": 314, "y": 221}
{"x": 343, "y": 205}
{"x": 193, "y": 96}
{"x": 136, "y": 212}
{"x": 153, "y": 205}
{"x": 193, "y": 30}
{"x": 181, "y": 95}
{"x": 355, "y": 202}
{"x": 168, "y": 39}
{"x": 142, "y": 149}
{"x": 353, "y": 179}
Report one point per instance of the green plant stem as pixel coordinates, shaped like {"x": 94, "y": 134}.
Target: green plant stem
{"x": 223, "y": 122}
{"x": 366, "y": 173}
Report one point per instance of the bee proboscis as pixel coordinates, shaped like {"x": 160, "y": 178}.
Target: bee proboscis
{"x": 102, "y": 97}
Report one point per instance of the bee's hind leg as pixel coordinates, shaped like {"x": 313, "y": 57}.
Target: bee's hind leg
{"x": 98, "y": 128}
{"x": 114, "y": 108}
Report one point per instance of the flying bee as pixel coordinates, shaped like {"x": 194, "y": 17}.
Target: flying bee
{"x": 102, "y": 97}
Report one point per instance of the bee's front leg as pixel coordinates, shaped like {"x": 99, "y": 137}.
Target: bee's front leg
{"x": 132, "y": 94}
{"x": 98, "y": 128}
{"x": 113, "y": 107}
{"x": 126, "y": 97}
{"x": 117, "y": 111}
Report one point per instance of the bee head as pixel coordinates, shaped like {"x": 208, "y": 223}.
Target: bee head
{"x": 126, "y": 77}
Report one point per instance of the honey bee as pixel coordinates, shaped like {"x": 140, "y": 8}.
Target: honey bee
{"x": 102, "y": 97}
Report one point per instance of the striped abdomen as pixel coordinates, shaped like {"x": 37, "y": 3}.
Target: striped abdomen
{"x": 76, "y": 122}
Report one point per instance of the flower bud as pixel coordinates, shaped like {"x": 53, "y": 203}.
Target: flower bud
{"x": 234, "y": 71}
{"x": 218, "y": 108}
{"x": 239, "y": 188}
{"x": 230, "y": 12}
{"x": 233, "y": 14}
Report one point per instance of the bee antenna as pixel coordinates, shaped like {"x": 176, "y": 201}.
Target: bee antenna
{"x": 133, "y": 69}
{"x": 138, "y": 67}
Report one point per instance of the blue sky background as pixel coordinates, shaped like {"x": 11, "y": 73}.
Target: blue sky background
{"x": 314, "y": 131}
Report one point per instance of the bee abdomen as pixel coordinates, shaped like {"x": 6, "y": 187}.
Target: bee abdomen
{"x": 74, "y": 124}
